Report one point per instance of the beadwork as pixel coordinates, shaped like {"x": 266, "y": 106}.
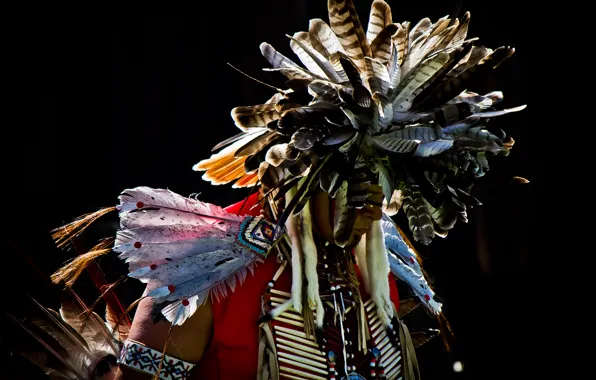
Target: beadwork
{"x": 145, "y": 359}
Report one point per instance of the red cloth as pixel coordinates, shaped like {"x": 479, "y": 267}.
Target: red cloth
{"x": 233, "y": 352}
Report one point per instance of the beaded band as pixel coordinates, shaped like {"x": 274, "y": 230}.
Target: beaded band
{"x": 144, "y": 359}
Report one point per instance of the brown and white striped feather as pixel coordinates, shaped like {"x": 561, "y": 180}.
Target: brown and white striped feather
{"x": 437, "y": 42}
{"x": 250, "y": 117}
{"x": 449, "y": 33}
{"x": 440, "y": 73}
{"x": 393, "y": 68}
{"x": 346, "y": 25}
{"x": 477, "y": 54}
{"x": 401, "y": 41}
{"x": 462, "y": 31}
{"x": 326, "y": 40}
{"x": 379, "y": 71}
{"x": 380, "y": 18}
{"x": 277, "y": 154}
{"x": 382, "y": 44}
{"x": 314, "y": 61}
{"x": 439, "y": 26}
{"x": 419, "y": 29}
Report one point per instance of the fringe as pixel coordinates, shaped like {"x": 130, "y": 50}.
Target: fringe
{"x": 63, "y": 235}
{"x": 70, "y": 272}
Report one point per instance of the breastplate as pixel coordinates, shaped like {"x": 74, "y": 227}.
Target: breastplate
{"x": 353, "y": 343}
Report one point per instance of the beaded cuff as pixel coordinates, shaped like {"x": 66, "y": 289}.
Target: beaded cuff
{"x": 144, "y": 359}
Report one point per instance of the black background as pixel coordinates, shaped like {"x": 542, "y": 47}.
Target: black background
{"x": 113, "y": 99}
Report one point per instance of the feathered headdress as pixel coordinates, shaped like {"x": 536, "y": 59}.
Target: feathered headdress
{"x": 393, "y": 100}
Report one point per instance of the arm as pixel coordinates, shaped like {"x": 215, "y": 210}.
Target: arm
{"x": 187, "y": 342}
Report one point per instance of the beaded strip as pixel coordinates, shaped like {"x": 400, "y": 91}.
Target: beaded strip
{"x": 144, "y": 359}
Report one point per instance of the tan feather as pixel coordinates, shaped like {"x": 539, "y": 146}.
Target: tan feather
{"x": 419, "y": 29}
{"x": 400, "y": 39}
{"x": 346, "y": 25}
{"x": 379, "y": 71}
{"x": 462, "y": 31}
{"x": 314, "y": 61}
{"x": 260, "y": 115}
{"x": 322, "y": 38}
{"x": 381, "y": 45}
{"x": 277, "y": 154}
{"x": 380, "y": 18}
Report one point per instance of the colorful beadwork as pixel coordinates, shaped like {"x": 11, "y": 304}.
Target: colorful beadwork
{"x": 256, "y": 234}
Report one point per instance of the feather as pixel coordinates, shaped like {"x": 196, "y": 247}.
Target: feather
{"x": 62, "y": 236}
{"x": 69, "y": 372}
{"x": 69, "y": 273}
{"x": 314, "y": 61}
{"x": 462, "y": 31}
{"x": 379, "y": 72}
{"x": 326, "y": 40}
{"x": 400, "y": 39}
{"x": 433, "y": 147}
{"x": 89, "y": 325}
{"x": 382, "y": 44}
{"x": 418, "y": 214}
{"x": 224, "y": 161}
{"x": 346, "y": 26}
{"x": 380, "y": 18}
{"x": 246, "y": 180}
{"x": 416, "y": 79}
{"x": 115, "y": 323}
{"x": 140, "y": 201}
{"x": 416, "y": 281}
{"x": 285, "y": 65}
{"x": 233, "y": 139}
{"x": 254, "y": 146}
{"x": 394, "y": 145}
{"x": 360, "y": 94}
{"x": 255, "y": 116}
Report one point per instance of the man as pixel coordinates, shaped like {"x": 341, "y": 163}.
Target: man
{"x": 298, "y": 281}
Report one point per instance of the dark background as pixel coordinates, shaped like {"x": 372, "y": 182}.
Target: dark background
{"x": 115, "y": 99}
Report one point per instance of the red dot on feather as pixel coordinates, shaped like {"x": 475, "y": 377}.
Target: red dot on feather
{"x": 138, "y": 244}
{"x": 185, "y": 302}
{"x": 412, "y": 260}
{"x": 153, "y": 266}
{"x": 427, "y": 297}
{"x": 171, "y": 288}
{"x": 140, "y": 204}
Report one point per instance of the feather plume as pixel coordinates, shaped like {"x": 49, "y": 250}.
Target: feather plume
{"x": 63, "y": 235}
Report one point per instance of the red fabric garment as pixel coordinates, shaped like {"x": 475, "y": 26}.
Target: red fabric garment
{"x": 233, "y": 351}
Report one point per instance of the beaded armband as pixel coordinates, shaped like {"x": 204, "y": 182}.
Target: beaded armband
{"x": 144, "y": 359}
